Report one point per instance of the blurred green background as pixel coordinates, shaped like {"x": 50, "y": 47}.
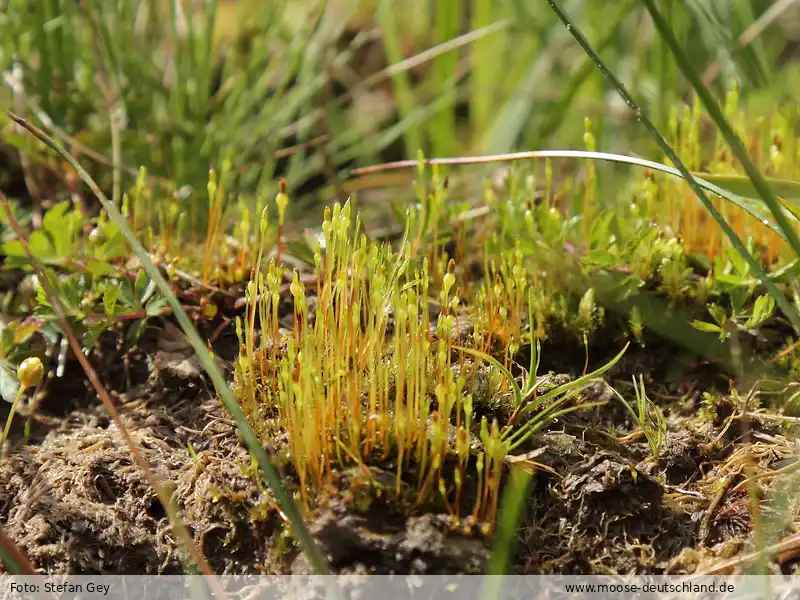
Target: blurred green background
{"x": 310, "y": 89}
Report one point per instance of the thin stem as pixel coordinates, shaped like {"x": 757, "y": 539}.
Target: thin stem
{"x": 10, "y": 419}
{"x": 14, "y": 559}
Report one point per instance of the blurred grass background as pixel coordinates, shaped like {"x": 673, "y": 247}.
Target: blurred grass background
{"x": 308, "y": 89}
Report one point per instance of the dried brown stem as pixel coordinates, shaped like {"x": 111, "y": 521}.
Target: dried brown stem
{"x": 16, "y": 554}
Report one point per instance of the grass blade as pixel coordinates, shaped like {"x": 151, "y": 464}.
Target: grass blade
{"x": 505, "y": 129}
{"x": 271, "y": 475}
{"x": 555, "y": 115}
{"x": 789, "y": 311}
{"x": 443, "y": 127}
{"x": 755, "y": 29}
{"x": 580, "y": 381}
{"x": 402, "y": 81}
{"x": 483, "y": 74}
{"x": 786, "y": 189}
{"x": 510, "y": 514}
{"x": 497, "y": 364}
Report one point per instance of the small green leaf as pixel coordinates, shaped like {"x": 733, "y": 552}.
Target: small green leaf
{"x": 140, "y": 286}
{"x": 71, "y": 292}
{"x": 155, "y": 306}
{"x": 144, "y": 288}
{"x": 114, "y": 245}
{"x": 600, "y": 258}
{"x": 41, "y": 247}
{"x": 41, "y": 297}
{"x": 135, "y": 331}
{"x": 704, "y": 326}
{"x": 100, "y": 268}
{"x": 53, "y": 220}
{"x": 718, "y": 314}
{"x": 6, "y": 339}
{"x": 93, "y": 333}
{"x": 738, "y": 262}
{"x": 51, "y": 331}
{"x": 762, "y": 311}
{"x": 12, "y": 249}
{"x": 110, "y": 296}
{"x": 127, "y": 295}
{"x": 733, "y": 280}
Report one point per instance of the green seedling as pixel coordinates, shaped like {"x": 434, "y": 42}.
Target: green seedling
{"x": 648, "y": 417}
{"x": 526, "y": 401}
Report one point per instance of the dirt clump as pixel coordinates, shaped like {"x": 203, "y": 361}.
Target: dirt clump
{"x": 78, "y": 503}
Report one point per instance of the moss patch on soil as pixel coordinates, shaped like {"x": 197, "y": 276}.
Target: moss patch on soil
{"x": 600, "y": 503}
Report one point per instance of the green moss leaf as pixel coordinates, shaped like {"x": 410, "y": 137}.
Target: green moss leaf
{"x": 709, "y": 327}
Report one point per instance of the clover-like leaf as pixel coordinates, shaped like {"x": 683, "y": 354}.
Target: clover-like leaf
{"x": 154, "y": 306}
{"x": 100, "y": 268}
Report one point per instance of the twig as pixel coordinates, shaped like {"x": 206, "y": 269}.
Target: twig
{"x": 705, "y": 524}
{"x": 785, "y": 352}
{"x": 771, "y": 417}
{"x": 512, "y": 157}
{"x": 768, "y": 475}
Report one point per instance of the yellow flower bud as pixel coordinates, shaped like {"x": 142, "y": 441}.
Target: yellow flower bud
{"x": 210, "y": 310}
{"x": 30, "y": 372}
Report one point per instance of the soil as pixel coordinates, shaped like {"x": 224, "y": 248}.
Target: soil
{"x": 74, "y": 500}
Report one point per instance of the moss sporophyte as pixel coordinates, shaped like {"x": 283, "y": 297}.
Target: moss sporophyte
{"x": 372, "y": 376}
